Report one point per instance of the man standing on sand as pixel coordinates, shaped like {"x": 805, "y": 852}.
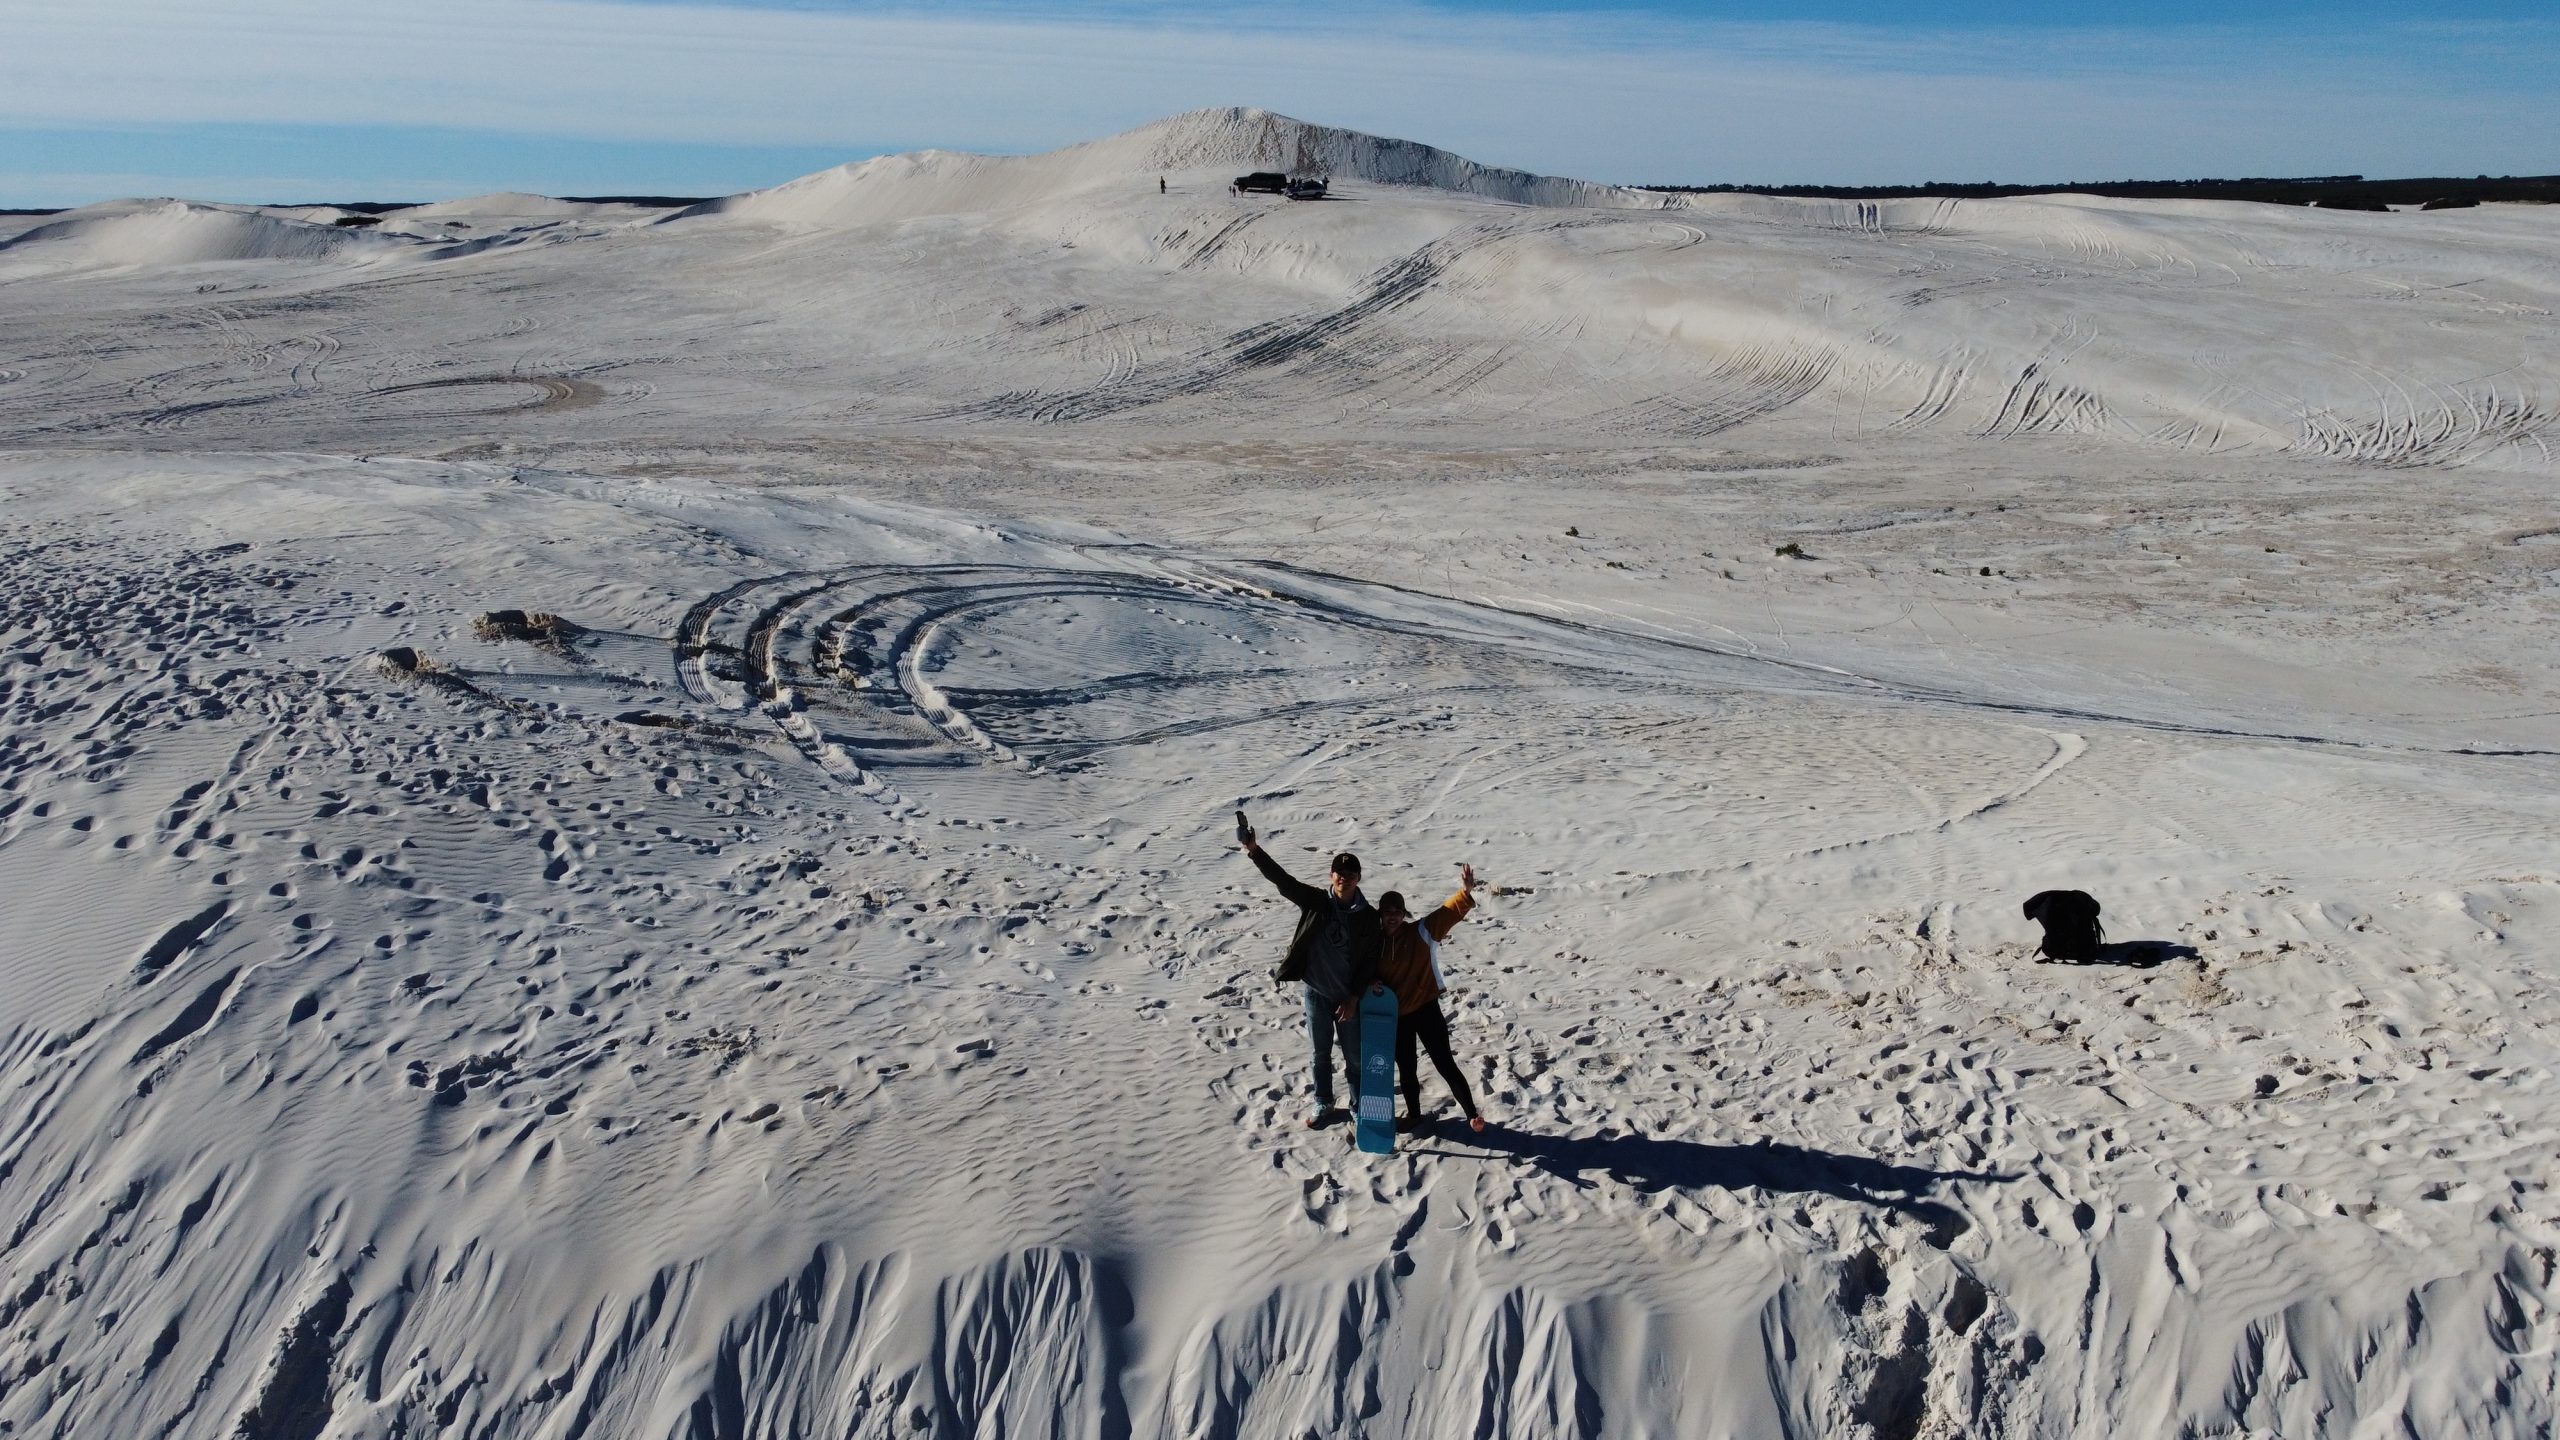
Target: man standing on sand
{"x": 1335, "y": 953}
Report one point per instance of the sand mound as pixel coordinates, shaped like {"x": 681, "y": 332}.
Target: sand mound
{"x": 537, "y": 628}
{"x": 516, "y": 208}
{"x": 1245, "y": 137}
{"x": 403, "y": 662}
{"x": 940, "y": 182}
{"x": 182, "y": 232}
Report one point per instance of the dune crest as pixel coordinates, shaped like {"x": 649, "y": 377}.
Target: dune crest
{"x": 1240, "y": 138}
{"x": 163, "y": 232}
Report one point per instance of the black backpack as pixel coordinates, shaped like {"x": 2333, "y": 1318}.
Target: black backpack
{"x": 2071, "y": 928}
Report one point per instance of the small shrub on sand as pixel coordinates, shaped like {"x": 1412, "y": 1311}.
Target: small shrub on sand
{"x": 1793, "y": 551}
{"x": 531, "y": 627}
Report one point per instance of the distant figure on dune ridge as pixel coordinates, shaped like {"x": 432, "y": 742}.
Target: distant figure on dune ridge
{"x": 1334, "y": 953}
{"x": 1410, "y": 965}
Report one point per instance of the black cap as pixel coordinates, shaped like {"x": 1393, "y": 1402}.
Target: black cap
{"x": 1346, "y": 863}
{"x": 1391, "y": 901}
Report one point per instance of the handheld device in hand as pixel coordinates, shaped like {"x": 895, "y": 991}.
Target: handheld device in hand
{"x": 1244, "y": 829}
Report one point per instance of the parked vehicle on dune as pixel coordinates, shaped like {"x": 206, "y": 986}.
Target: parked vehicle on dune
{"x": 1268, "y": 182}
{"x": 1306, "y": 189}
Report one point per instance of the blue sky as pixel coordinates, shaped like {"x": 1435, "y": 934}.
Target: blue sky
{"x": 344, "y": 99}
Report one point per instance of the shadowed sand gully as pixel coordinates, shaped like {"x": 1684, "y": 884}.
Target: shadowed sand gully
{"x": 620, "y": 824}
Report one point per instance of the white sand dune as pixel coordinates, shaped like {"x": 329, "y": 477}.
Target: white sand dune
{"x": 144, "y": 234}
{"x": 1202, "y": 146}
{"x": 516, "y": 205}
{"x": 508, "y": 218}
{"x": 811, "y": 990}
{"x": 1043, "y": 289}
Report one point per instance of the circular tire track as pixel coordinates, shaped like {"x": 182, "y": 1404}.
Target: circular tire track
{"x": 847, "y": 664}
{"x": 464, "y": 396}
{"x": 878, "y": 669}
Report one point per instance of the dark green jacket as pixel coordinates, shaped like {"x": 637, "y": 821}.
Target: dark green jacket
{"x": 1311, "y": 958}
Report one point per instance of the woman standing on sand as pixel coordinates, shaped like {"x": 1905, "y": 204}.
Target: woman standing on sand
{"x": 1405, "y": 966}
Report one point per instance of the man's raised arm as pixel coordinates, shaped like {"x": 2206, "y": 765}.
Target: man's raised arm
{"x": 1299, "y": 892}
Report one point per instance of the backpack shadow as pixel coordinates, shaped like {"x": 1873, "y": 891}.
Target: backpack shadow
{"x": 2136, "y": 954}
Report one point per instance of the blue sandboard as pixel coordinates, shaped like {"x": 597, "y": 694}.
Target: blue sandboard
{"x": 1377, "y": 1112}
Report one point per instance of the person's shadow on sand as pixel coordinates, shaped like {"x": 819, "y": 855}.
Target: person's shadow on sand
{"x": 1648, "y": 1164}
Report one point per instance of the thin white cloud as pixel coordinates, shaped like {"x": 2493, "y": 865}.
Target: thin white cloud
{"x": 1612, "y": 99}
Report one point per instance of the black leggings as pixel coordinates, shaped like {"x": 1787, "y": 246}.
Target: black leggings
{"x": 1432, "y": 1029}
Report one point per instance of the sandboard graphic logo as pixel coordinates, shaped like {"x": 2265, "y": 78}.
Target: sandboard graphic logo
{"x": 1377, "y": 1099}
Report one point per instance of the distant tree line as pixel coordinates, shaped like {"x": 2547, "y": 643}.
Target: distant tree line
{"x": 2330, "y": 192}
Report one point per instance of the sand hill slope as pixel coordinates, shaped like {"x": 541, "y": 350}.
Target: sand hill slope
{"x": 146, "y": 234}
{"x": 1194, "y": 144}
{"x": 625, "y": 829}
{"x": 1431, "y": 296}
{"x": 160, "y": 233}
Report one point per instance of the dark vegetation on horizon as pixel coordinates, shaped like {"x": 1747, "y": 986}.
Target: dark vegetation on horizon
{"x": 2329, "y": 192}
{"x": 385, "y": 207}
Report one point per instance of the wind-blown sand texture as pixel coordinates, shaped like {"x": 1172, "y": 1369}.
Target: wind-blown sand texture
{"x": 809, "y": 987}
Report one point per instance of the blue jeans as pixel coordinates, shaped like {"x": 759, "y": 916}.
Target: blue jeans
{"x": 1326, "y": 1033}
